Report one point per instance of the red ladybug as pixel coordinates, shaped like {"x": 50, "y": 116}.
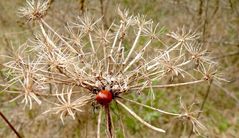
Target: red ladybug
{"x": 104, "y": 97}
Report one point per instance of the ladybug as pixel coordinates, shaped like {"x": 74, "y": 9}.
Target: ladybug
{"x": 104, "y": 97}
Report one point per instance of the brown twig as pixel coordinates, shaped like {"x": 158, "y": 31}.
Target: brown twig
{"x": 205, "y": 21}
{"x": 82, "y": 6}
{"x": 108, "y": 121}
{"x": 232, "y": 7}
{"x": 9, "y": 124}
{"x": 200, "y": 8}
{"x": 227, "y": 55}
{"x": 216, "y": 9}
{"x": 103, "y": 12}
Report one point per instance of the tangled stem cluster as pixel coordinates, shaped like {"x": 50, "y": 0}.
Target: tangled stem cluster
{"x": 88, "y": 61}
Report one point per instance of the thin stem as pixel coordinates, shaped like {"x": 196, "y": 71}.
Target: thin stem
{"x": 227, "y": 55}
{"x": 10, "y": 125}
{"x": 137, "y": 57}
{"x": 103, "y": 12}
{"x": 116, "y": 37}
{"x": 230, "y": 94}
{"x": 99, "y": 122}
{"x": 168, "y": 85}
{"x": 68, "y": 45}
{"x": 82, "y": 6}
{"x": 205, "y": 21}
{"x": 203, "y": 103}
{"x": 205, "y": 99}
{"x": 152, "y": 108}
{"x": 46, "y": 37}
{"x": 160, "y": 56}
{"x": 134, "y": 45}
{"x": 91, "y": 43}
{"x": 108, "y": 121}
{"x": 139, "y": 118}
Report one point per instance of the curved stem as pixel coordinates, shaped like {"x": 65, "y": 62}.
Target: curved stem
{"x": 139, "y": 118}
{"x": 152, "y": 108}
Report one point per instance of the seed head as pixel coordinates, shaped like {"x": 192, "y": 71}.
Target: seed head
{"x": 34, "y": 9}
{"x": 93, "y": 64}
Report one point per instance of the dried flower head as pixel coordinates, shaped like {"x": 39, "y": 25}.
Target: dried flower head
{"x": 66, "y": 105}
{"x": 25, "y": 81}
{"x": 34, "y": 9}
{"x": 211, "y": 74}
{"x": 184, "y": 36}
{"x": 198, "y": 54}
{"x": 192, "y": 116}
{"x": 104, "y": 63}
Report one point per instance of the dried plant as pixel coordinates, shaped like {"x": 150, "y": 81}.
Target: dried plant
{"x": 93, "y": 64}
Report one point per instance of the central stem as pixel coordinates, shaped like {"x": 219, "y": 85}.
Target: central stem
{"x": 108, "y": 121}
